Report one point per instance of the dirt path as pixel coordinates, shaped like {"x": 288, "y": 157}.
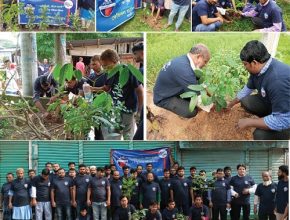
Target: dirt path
{"x": 205, "y": 126}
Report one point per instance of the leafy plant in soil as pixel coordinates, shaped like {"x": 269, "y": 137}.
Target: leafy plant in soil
{"x": 201, "y": 185}
{"x": 44, "y": 19}
{"x": 128, "y": 187}
{"x": 139, "y": 214}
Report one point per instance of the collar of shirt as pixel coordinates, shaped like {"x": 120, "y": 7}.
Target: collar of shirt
{"x": 265, "y": 68}
{"x": 191, "y": 62}
{"x": 266, "y": 3}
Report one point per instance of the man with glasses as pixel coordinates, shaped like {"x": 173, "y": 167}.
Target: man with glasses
{"x": 4, "y": 197}
{"x": 174, "y": 79}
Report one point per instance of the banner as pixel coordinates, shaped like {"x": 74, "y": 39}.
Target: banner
{"x": 112, "y": 13}
{"x": 159, "y": 157}
{"x": 58, "y": 11}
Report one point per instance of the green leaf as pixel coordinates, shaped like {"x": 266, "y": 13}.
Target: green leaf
{"x": 192, "y": 103}
{"x": 220, "y": 103}
{"x": 113, "y": 71}
{"x": 195, "y": 87}
{"x": 224, "y": 69}
{"x": 78, "y": 74}
{"x": 104, "y": 100}
{"x": 187, "y": 95}
{"x": 123, "y": 77}
{"x": 56, "y": 71}
{"x": 211, "y": 89}
{"x": 198, "y": 73}
{"x": 136, "y": 73}
{"x": 206, "y": 100}
{"x": 66, "y": 72}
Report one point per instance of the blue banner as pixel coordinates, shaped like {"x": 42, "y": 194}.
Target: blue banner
{"x": 112, "y": 13}
{"x": 159, "y": 157}
{"x": 58, "y": 11}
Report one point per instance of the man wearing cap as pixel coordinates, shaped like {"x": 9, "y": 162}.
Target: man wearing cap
{"x": 174, "y": 78}
{"x": 271, "y": 104}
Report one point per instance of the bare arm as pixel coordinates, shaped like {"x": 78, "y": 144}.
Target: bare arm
{"x": 205, "y": 20}
{"x": 108, "y": 195}
{"x": 140, "y": 95}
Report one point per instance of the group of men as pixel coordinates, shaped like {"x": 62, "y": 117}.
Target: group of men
{"x": 132, "y": 91}
{"x": 97, "y": 193}
{"x": 268, "y": 76}
{"x": 209, "y": 15}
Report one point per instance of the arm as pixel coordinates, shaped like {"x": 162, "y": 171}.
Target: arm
{"x": 140, "y": 95}
{"x": 171, "y": 194}
{"x": 285, "y": 215}
{"x": 205, "y": 20}
{"x": 11, "y": 193}
{"x": 72, "y": 194}
{"x": 256, "y": 203}
{"x": 89, "y": 196}
{"x": 105, "y": 88}
{"x": 33, "y": 196}
{"x": 52, "y": 198}
{"x": 234, "y": 4}
{"x": 241, "y": 94}
{"x": 209, "y": 198}
{"x": 108, "y": 195}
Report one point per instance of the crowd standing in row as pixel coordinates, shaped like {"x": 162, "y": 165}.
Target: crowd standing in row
{"x": 97, "y": 193}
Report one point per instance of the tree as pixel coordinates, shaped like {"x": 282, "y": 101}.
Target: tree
{"x": 60, "y": 48}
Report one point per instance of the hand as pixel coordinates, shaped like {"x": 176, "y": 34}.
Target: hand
{"x": 236, "y": 195}
{"x": 10, "y": 206}
{"x": 74, "y": 204}
{"x": 231, "y": 104}
{"x": 255, "y": 210}
{"x": 228, "y": 205}
{"x": 53, "y": 204}
{"x": 108, "y": 203}
{"x": 33, "y": 202}
{"x": 244, "y": 123}
{"x": 210, "y": 204}
{"x": 89, "y": 203}
{"x": 220, "y": 20}
{"x": 246, "y": 191}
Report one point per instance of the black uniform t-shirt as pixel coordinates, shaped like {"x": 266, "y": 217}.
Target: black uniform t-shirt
{"x": 77, "y": 88}
{"x": 151, "y": 216}
{"x": 181, "y": 189}
{"x": 169, "y": 214}
{"x": 124, "y": 213}
{"x": 165, "y": 191}
{"x": 21, "y": 189}
{"x": 267, "y": 196}
{"x": 116, "y": 192}
{"x": 62, "y": 190}
{"x": 82, "y": 183}
{"x": 99, "y": 189}
{"x": 42, "y": 188}
{"x": 4, "y": 192}
{"x": 150, "y": 192}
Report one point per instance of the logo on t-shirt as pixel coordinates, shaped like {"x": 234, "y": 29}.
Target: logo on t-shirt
{"x": 169, "y": 184}
{"x": 263, "y": 92}
{"x": 246, "y": 182}
{"x": 25, "y": 185}
{"x": 266, "y": 16}
{"x": 120, "y": 186}
{"x": 66, "y": 183}
{"x": 173, "y": 216}
{"x": 273, "y": 190}
{"x": 137, "y": 184}
{"x": 185, "y": 184}
{"x": 87, "y": 180}
{"x": 103, "y": 182}
{"x": 224, "y": 184}
{"x": 285, "y": 189}
{"x": 166, "y": 66}
{"x": 48, "y": 183}
{"x": 154, "y": 189}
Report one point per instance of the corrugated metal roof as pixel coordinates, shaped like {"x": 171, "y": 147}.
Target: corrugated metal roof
{"x": 104, "y": 41}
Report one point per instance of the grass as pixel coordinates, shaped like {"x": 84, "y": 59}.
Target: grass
{"x": 139, "y": 24}
{"x": 175, "y": 44}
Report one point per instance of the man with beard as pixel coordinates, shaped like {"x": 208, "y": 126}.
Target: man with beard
{"x": 80, "y": 188}
{"x": 108, "y": 172}
{"x": 192, "y": 171}
{"x": 4, "y": 197}
{"x": 93, "y": 171}
{"x": 165, "y": 184}
{"x": 172, "y": 172}
{"x": 282, "y": 197}
{"x": 180, "y": 191}
{"x": 139, "y": 169}
{"x": 19, "y": 197}
{"x": 116, "y": 192}
{"x": 265, "y": 198}
{"x": 61, "y": 195}
{"x": 169, "y": 85}
{"x": 149, "y": 169}
{"x": 243, "y": 185}
{"x": 272, "y": 102}
{"x": 149, "y": 192}
{"x": 40, "y": 196}
{"x": 198, "y": 211}
{"x": 139, "y": 55}
{"x": 126, "y": 173}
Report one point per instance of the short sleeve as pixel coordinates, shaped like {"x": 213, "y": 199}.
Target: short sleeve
{"x": 202, "y": 9}
{"x": 258, "y": 193}
{"x": 276, "y": 16}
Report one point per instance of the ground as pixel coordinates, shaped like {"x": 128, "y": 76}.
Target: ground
{"x": 205, "y": 126}
{"x": 143, "y": 21}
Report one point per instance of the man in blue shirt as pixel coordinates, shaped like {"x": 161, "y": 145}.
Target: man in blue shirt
{"x": 265, "y": 197}
{"x": 174, "y": 79}
{"x": 165, "y": 183}
{"x": 4, "y": 197}
{"x": 272, "y": 103}
{"x": 282, "y": 197}
{"x": 198, "y": 211}
{"x": 242, "y": 186}
{"x": 116, "y": 192}
{"x": 205, "y": 16}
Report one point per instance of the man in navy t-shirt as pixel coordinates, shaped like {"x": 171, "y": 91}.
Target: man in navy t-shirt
{"x": 4, "y": 202}
{"x": 116, "y": 192}
{"x": 170, "y": 212}
{"x": 282, "y": 197}
{"x": 205, "y": 16}
{"x": 174, "y": 79}
{"x": 271, "y": 104}
{"x": 165, "y": 184}
{"x": 267, "y": 16}
{"x": 265, "y": 198}
{"x": 243, "y": 185}
{"x": 61, "y": 195}
{"x": 198, "y": 211}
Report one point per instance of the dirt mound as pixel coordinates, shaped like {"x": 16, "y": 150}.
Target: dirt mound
{"x": 205, "y": 126}
{"x": 150, "y": 20}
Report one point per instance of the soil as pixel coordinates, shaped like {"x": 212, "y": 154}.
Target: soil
{"x": 205, "y": 126}
{"x": 148, "y": 19}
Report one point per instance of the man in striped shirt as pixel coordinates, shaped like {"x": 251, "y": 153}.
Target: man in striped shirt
{"x": 271, "y": 79}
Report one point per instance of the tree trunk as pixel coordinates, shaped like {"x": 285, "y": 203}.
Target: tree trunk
{"x": 60, "y": 48}
{"x": 28, "y": 61}
{"x": 271, "y": 40}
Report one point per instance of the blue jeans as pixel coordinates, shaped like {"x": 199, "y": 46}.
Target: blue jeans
{"x": 210, "y": 27}
{"x": 182, "y": 11}
{"x": 63, "y": 212}
{"x": 99, "y": 209}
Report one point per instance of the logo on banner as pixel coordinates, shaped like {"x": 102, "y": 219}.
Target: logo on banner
{"x": 68, "y": 4}
{"x": 106, "y": 7}
{"x": 122, "y": 162}
{"x": 163, "y": 153}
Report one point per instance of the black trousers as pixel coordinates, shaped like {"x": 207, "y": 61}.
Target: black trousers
{"x": 258, "y": 22}
{"x": 219, "y": 210}
{"x": 254, "y": 104}
{"x": 178, "y": 106}
{"x": 267, "y": 216}
{"x": 236, "y": 211}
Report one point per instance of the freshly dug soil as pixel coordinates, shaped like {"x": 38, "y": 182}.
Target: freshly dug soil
{"x": 205, "y": 126}
{"x": 157, "y": 26}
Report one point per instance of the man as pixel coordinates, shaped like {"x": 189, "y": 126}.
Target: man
{"x": 93, "y": 171}
{"x": 198, "y": 211}
{"x": 170, "y": 212}
{"x": 153, "y": 213}
{"x": 80, "y": 188}
{"x": 81, "y": 66}
{"x": 61, "y": 195}
{"x": 267, "y": 17}
{"x": 139, "y": 55}
{"x": 31, "y": 174}
{"x": 165, "y": 184}
{"x": 125, "y": 211}
{"x": 75, "y": 86}
{"x": 192, "y": 171}
{"x": 180, "y": 191}
{"x": 108, "y": 172}
{"x": 40, "y": 194}
{"x": 126, "y": 173}
{"x": 265, "y": 198}
{"x": 149, "y": 169}
{"x": 71, "y": 166}
{"x": 99, "y": 195}
{"x": 19, "y": 197}
{"x": 243, "y": 185}
{"x": 48, "y": 166}
{"x": 271, "y": 79}
{"x": 134, "y": 200}
{"x": 173, "y": 173}
{"x": 4, "y": 197}
{"x": 12, "y": 78}
{"x": 116, "y": 192}
{"x": 228, "y": 173}
{"x": 282, "y": 197}
{"x": 44, "y": 85}
{"x": 205, "y": 16}
{"x": 149, "y": 192}
{"x": 181, "y": 6}
{"x": 139, "y": 169}
{"x": 220, "y": 196}
{"x": 170, "y": 85}
{"x": 97, "y": 78}
{"x": 132, "y": 92}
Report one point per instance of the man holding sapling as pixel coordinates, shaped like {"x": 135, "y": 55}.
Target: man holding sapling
{"x": 271, "y": 104}
{"x": 175, "y": 77}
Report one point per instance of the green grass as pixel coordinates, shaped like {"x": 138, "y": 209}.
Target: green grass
{"x": 138, "y": 24}
{"x": 171, "y": 45}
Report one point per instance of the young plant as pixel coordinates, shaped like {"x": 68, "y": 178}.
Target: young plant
{"x": 44, "y": 19}
{"x": 75, "y": 21}
{"x": 128, "y": 186}
{"x": 29, "y": 11}
{"x": 139, "y": 214}
{"x": 9, "y": 15}
{"x": 202, "y": 185}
